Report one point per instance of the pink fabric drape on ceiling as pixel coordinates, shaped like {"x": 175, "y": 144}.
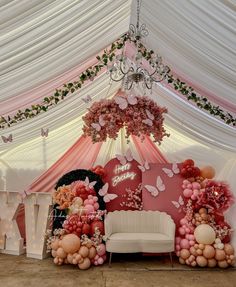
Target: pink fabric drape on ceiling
{"x": 82, "y": 155}
{"x": 148, "y": 151}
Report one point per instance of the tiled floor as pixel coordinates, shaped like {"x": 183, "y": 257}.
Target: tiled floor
{"x": 127, "y": 270}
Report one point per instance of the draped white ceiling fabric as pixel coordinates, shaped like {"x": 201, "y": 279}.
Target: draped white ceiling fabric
{"x": 46, "y": 43}
{"x": 198, "y": 40}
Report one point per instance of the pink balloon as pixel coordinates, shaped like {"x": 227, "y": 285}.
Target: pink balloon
{"x": 181, "y": 231}
{"x": 177, "y": 240}
{"x": 189, "y": 186}
{"x": 96, "y": 205}
{"x": 193, "y": 197}
{"x": 86, "y": 202}
{"x": 177, "y": 247}
{"x": 95, "y": 262}
{"x": 178, "y": 253}
{"x": 191, "y": 242}
{"x": 90, "y": 201}
{"x": 184, "y": 243}
{"x": 191, "y": 237}
{"x": 196, "y": 185}
{"x": 187, "y": 192}
{"x": 89, "y": 208}
{"x": 96, "y": 257}
{"x": 101, "y": 249}
{"x": 183, "y": 221}
{"x": 195, "y": 192}
{"x": 187, "y": 230}
{"x": 100, "y": 260}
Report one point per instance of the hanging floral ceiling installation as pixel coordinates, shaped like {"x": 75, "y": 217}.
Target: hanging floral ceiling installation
{"x": 107, "y": 57}
{"x": 139, "y": 116}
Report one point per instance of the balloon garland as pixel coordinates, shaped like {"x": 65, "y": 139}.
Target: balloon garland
{"x": 203, "y": 235}
{"x": 78, "y": 227}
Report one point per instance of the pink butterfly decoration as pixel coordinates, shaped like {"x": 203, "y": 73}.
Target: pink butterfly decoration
{"x": 124, "y": 102}
{"x": 149, "y": 120}
{"x": 154, "y": 190}
{"x": 124, "y": 158}
{"x": 171, "y": 172}
{"x": 178, "y": 203}
{"x": 101, "y": 123}
{"x": 107, "y": 197}
{"x": 89, "y": 185}
{"x": 24, "y": 193}
{"x": 87, "y": 99}
{"x": 144, "y": 167}
{"x": 7, "y": 139}
{"x": 44, "y": 133}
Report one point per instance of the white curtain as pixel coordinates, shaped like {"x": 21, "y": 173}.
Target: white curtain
{"x": 197, "y": 38}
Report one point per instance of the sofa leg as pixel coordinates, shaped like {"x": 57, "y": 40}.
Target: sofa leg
{"x": 110, "y": 259}
{"x": 171, "y": 260}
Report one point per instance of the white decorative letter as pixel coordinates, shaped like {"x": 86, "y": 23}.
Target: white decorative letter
{"x": 10, "y": 238}
{"x": 38, "y": 207}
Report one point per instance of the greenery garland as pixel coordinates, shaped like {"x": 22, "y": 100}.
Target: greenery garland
{"x": 89, "y": 74}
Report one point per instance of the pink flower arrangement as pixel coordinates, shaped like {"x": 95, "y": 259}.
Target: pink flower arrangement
{"x": 105, "y": 118}
{"x": 133, "y": 198}
{"x": 215, "y": 196}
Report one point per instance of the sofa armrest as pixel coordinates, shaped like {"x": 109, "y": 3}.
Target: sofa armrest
{"x": 108, "y": 227}
{"x": 169, "y": 228}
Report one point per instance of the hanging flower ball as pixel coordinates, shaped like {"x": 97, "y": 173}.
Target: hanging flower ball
{"x": 106, "y": 117}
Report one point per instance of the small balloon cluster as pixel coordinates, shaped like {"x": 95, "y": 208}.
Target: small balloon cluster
{"x": 79, "y": 241}
{"x": 70, "y": 249}
{"x": 203, "y": 235}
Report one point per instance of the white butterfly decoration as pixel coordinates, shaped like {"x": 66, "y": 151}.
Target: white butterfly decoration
{"x": 149, "y": 120}
{"x": 7, "y": 139}
{"x": 24, "y": 193}
{"x": 154, "y": 190}
{"x": 101, "y": 123}
{"x": 89, "y": 185}
{"x": 124, "y": 158}
{"x": 124, "y": 102}
{"x": 144, "y": 167}
{"x": 173, "y": 171}
{"x": 178, "y": 203}
{"x": 44, "y": 133}
{"x": 87, "y": 99}
{"x": 107, "y": 197}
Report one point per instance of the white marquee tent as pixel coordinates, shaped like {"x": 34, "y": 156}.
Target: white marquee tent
{"x": 46, "y": 43}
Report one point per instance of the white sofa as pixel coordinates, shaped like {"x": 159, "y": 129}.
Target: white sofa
{"x": 139, "y": 231}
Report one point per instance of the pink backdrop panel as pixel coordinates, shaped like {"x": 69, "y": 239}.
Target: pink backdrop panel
{"x": 119, "y": 178}
{"x": 172, "y": 192}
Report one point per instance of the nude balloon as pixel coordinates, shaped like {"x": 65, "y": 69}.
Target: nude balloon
{"x": 70, "y": 243}
{"x": 85, "y": 264}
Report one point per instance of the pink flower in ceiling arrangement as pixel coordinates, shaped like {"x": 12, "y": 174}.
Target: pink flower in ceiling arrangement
{"x": 139, "y": 116}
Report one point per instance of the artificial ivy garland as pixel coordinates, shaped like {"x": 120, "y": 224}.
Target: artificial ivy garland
{"x": 89, "y": 74}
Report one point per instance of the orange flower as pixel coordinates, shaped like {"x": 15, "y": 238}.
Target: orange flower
{"x": 63, "y": 196}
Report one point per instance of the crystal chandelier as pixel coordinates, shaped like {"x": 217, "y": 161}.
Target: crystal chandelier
{"x": 133, "y": 72}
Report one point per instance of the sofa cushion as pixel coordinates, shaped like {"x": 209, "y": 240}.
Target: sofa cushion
{"x": 139, "y": 242}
